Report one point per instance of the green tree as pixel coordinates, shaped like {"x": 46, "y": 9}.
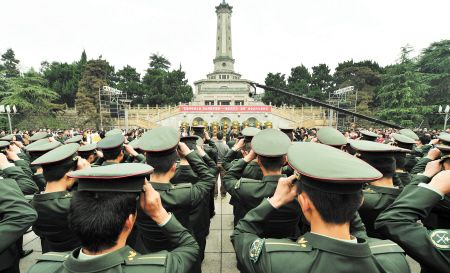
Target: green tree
{"x": 365, "y": 76}
{"x": 276, "y": 80}
{"x": 158, "y": 61}
{"x": 177, "y": 88}
{"x": 403, "y": 91}
{"x": 30, "y": 94}
{"x": 9, "y": 64}
{"x": 94, "y": 77}
{"x": 129, "y": 80}
{"x": 321, "y": 82}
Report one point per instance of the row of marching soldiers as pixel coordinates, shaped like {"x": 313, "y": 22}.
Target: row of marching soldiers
{"x": 328, "y": 206}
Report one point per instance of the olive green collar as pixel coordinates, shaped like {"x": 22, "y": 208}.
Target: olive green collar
{"x": 360, "y": 250}
{"x": 385, "y": 190}
{"x": 52, "y": 195}
{"x": 99, "y": 264}
{"x": 161, "y": 186}
{"x": 272, "y": 178}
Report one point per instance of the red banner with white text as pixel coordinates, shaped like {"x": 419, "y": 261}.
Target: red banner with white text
{"x": 225, "y": 109}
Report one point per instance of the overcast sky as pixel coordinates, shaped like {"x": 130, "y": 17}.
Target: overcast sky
{"x": 268, "y": 35}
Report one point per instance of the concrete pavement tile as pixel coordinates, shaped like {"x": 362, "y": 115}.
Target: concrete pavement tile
{"x": 213, "y": 242}
{"x": 211, "y": 263}
{"x": 227, "y": 209}
{"x": 215, "y": 222}
{"x": 229, "y": 263}
{"x": 35, "y": 245}
{"x": 28, "y": 261}
{"x": 227, "y": 222}
{"x": 28, "y": 237}
{"x": 227, "y": 246}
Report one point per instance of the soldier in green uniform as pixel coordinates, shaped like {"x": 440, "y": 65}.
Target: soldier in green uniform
{"x": 368, "y": 135}
{"x": 53, "y": 204}
{"x": 269, "y": 148}
{"x": 240, "y": 149}
{"x": 112, "y": 147}
{"x": 88, "y": 152}
{"x": 329, "y": 190}
{"x": 102, "y": 214}
{"x": 378, "y": 194}
{"x": 160, "y": 146}
{"x": 199, "y": 215}
{"x": 399, "y": 222}
{"x": 331, "y": 137}
{"x": 35, "y": 150}
{"x": 76, "y": 139}
{"x": 403, "y": 161}
{"x": 16, "y": 216}
{"x": 18, "y": 170}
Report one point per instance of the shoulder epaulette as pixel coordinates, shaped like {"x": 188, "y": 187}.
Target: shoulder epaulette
{"x": 384, "y": 246}
{"x": 158, "y": 258}
{"x": 54, "y": 256}
{"x": 274, "y": 245}
{"x": 440, "y": 239}
{"x": 182, "y": 186}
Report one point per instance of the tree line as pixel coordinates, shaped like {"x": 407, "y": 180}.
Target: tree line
{"x": 59, "y": 85}
{"x": 407, "y": 92}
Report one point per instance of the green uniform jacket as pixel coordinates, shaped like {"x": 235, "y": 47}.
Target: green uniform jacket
{"x": 411, "y": 161}
{"x": 431, "y": 248}
{"x": 52, "y": 225}
{"x": 26, "y": 185}
{"x": 126, "y": 260}
{"x": 180, "y": 200}
{"x": 16, "y": 216}
{"x": 404, "y": 178}
{"x": 25, "y": 166}
{"x": 249, "y": 193}
{"x": 311, "y": 252}
{"x": 420, "y": 165}
{"x": 376, "y": 199}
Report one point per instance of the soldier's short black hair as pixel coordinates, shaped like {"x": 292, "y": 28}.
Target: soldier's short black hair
{"x": 425, "y": 139}
{"x": 334, "y": 208}
{"x": 161, "y": 163}
{"x": 54, "y": 172}
{"x": 219, "y": 135}
{"x": 111, "y": 154}
{"x": 97, "y": 218}
{"x": 272, "y": 163}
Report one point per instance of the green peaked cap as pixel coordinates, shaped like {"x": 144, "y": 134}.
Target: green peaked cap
{"x": 4, "y": 144}
{"x": 198, "y": 130}
{"x": 160, "y": 139}
{"x": 191, "y": 141}
{"x": 328, "y": 169}
{"x": 271, "y": 143}
{"x": 124, "y": 177}
{"x": 368, "y": 135}
{"x": 134, "y": 143}
{"x": 37, "y": 143}
{"x": 75, "y": 139}
{"x": 88, "y": 147}
{"x": 111, "y": 142}
{"x": 444, "y": 138}
{"x": 7, "y": 138}
{"x": 409, "y": 133}
{"x": 59, "y": 154}
{"x": 44, "y": 147}
{"x": 113, "y": 132}
{"x": 39, "y": 135}
{"x": 331, "y": 136}
{"x": 250, "y": 131}
{"x": 403, "y": 139}
{"x": 365, "y": 146}
{"x": 445, "y": 151}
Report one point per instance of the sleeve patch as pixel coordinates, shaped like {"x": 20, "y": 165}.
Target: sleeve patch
{"x": 440, "y": 239}
{"x": 255, "y": 250}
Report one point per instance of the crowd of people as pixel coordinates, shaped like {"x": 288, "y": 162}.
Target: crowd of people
{"x": 304, "y": 200}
